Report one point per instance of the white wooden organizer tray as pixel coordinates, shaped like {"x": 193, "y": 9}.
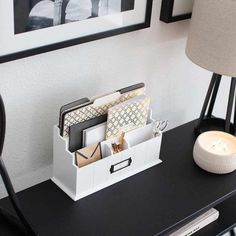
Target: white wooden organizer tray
{"x": 141, "y": 152}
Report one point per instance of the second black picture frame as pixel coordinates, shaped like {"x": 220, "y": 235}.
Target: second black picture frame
{"x": 167, "y": 10}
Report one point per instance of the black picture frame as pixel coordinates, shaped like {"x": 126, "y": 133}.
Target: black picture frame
{"x": 81, "y": 40}
{"x": 166, "y": 15}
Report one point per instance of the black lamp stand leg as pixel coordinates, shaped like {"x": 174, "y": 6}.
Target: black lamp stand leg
{"x": 207, "y": 99}
{"x": 214, "y": 94}
{"x": 207, "y": 121}
{"x": 230, "y": 105}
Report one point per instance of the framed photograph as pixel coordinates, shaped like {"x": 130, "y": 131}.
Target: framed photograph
{"x": 176, "y": 10}
{"x": 30, "y": 27}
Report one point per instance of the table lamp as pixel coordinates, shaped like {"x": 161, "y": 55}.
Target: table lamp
{"x": 211, "y": 44}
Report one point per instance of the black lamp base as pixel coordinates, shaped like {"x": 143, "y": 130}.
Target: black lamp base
{"x": 207, "y": 121}
{"x": 209, "y": 124}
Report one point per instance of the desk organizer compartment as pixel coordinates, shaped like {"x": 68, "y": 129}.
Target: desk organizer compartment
{"x": 141, "y": 151}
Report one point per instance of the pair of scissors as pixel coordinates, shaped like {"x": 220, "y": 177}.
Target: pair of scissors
{"x": 159, "y": 126}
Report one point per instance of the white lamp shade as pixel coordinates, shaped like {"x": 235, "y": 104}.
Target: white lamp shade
{"x": 212, "y": 38}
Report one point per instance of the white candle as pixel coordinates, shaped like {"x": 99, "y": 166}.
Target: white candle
{"x": 215, "y": 152}
{"x": 219, "y": 143}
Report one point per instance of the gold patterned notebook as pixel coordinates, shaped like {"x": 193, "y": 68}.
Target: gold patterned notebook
{"x": 127, "y": 116}
{"x": 92, "y": 111}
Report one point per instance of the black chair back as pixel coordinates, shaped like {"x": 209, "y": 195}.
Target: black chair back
{"x": 2, "y": 124}
{"x": 23, "y": 224}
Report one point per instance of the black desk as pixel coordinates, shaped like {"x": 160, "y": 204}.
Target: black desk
{"x": 153, "y": 202}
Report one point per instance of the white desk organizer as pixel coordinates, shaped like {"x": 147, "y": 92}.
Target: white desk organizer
{"x": 141, "y": 152}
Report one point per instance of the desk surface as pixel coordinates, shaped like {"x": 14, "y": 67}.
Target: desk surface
{"x": 152, "y": 202}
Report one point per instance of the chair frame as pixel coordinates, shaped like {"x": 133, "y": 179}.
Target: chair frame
{"x": 21, "y": 222}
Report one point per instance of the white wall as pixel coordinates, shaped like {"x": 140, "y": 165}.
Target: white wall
{"x": 34, "y": 88}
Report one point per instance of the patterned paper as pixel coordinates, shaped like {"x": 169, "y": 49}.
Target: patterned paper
{"x": 127, "y": 116}
{"x": 91, "y": 111}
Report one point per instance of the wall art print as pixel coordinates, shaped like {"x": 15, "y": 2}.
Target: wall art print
{"x": 30, "y": 27}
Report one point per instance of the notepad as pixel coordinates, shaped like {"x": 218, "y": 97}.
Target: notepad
{"x": 94, "y": 134}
